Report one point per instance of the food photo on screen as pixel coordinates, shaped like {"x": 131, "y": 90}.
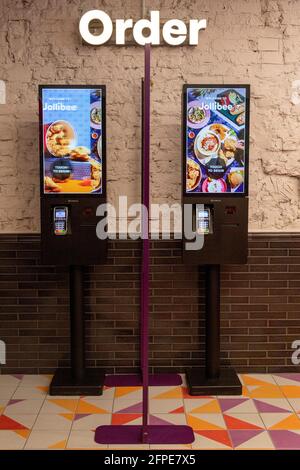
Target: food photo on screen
{"x": 215, "y": 139}
{"x": 72, "y": 140}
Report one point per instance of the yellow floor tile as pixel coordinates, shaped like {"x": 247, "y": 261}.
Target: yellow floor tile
{"x": 206, "y": 422}
{"x": 267, "y": 391}
{"x": 291, "y": 391}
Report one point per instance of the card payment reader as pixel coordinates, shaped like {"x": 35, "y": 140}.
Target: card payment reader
{"x": 60, "y": 220}
{"x": 204, "y": 220}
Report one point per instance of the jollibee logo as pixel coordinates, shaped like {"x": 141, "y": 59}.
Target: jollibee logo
{"x": 59, "y": 107}
{"x": 174, "y": 32}
{"x": 214, "y": 106}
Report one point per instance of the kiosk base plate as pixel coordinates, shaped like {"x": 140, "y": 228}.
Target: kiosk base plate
{"x": 227, "y": 383}
{"x": 150, "y": 434}
{"x": 63, "y": 383}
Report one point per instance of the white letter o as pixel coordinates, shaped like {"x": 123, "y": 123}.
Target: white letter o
{"x": 96, "y": 40}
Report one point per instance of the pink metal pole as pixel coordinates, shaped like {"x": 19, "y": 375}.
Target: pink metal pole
{"x": 146, "y": 244}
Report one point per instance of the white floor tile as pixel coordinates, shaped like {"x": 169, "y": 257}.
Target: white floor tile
{"x": 49, "y": 422}
{"x": 27, "y": 406}
{"x": 9, "y": 440}
{"x": 28, "y": 392}
{"x": 83, "y": 440}
{"x": 41, "y": 440}
{"x": 7, "y": 391}
{"x": 37, "y": 380}
{"x": 165, "y": 406}
{"x": 9, "y": 380}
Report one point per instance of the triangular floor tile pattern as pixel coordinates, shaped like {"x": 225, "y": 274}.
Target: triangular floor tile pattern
{"x": 266, "y": 416}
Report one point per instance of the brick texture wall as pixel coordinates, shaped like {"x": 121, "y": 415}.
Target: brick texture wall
{"x": 260, "y": 307}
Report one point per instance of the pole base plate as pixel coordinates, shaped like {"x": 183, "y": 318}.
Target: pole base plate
{"x": 135, "y": 380}
{"x": 228, "y": 383}
{"x": 63, "y": 383}
{"x": 151, "y": 434}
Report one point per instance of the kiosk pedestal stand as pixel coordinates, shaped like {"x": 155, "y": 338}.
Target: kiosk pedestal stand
{"x": 213, "y": 380}
{"x": 73, "y": 185}
{"x": 77, "y": 380}
{"x": 215, "y": 201}
{"x": 146, "y": 433}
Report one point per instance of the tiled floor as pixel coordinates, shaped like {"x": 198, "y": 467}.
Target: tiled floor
{"x": 266, "y": 416}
